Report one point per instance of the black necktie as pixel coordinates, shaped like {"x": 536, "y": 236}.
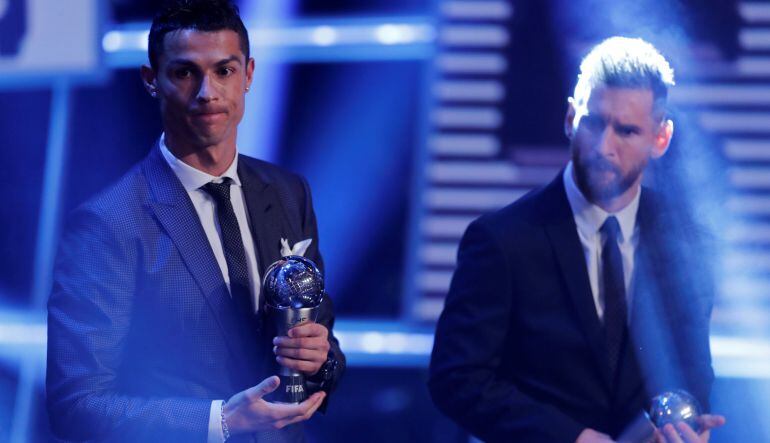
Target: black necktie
{"x": 235, "y": 255}
{"x": 615, "y": 311}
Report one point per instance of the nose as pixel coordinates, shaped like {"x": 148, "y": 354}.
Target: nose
{"x": 207, "y": 91}
{"x": 605, "y": 144}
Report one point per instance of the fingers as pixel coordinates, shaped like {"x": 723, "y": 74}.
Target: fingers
{"x": 303, "y": 360}
{"x": 310, "y": 405}
{"x": 265, "y": 387}
{"x": 300, "y": 353}
{"x": 315, "y": 342}
{"x": 688, "y": 435}
{"x": 309, "y": 329}
{"x": 306, "y": 367}
{"x": 282, "y": 414}
{"x": 242, "y": 409}
{"x": 670, "y": 434}
{"x": 303, "y": 353}
{"x": 682, "y": 433}
{"x": 709, "y": 421}
{"x": 252, "y": 413}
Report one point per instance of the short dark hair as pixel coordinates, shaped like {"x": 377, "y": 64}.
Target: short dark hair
{"x": 624, "y": 62}
{"x": 200, "y": 15}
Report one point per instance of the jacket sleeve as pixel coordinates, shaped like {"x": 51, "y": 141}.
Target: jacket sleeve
{"x": 471, "y": 335}
{"x": 89, "y": 318}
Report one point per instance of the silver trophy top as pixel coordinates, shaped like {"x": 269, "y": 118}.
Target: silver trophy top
{"x": 293, "y": 282}
{"x": 673, "y": 407}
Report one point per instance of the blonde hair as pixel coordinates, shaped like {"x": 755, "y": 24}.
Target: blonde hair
{"x": 624, "y": 62}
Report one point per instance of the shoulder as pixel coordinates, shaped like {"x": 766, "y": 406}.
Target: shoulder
{"x": 122, "y": 210}
{"x": 671, "y": 216}
{"x": 271, "y": 173}
{"x": 518, "y": 229}
{"x": 268, "y": 171}
{"x": 531, "y": 211}
{"x": 107, "y": 225}
{"x": 121, "y": 199}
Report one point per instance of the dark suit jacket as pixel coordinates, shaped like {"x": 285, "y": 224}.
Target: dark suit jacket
{"x": 519, "y": 352}
{"x": 142, "y": 332}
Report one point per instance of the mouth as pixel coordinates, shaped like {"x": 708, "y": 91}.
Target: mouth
{"x": 209, "y": 115}
{"x": 601, "y": 165}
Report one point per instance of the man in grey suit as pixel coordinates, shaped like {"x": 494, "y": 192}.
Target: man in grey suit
{"x": 156, "y": 328}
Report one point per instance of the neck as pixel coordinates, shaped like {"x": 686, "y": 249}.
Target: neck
{"x": 211, "y": 159}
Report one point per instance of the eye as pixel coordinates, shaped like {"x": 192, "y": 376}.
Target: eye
{"x": 183, "y": 73}
{"x": 593, "y": 123}
{"x": 626, "y": 131}
{"x": 226, "y": 71}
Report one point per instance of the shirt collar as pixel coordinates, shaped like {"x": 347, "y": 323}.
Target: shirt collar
{"x": 192, "y": 178}
{"x": 589, "y": 217}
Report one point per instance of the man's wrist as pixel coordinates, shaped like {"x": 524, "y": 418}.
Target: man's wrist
{"x": 233, "y": 414}
{"x": 325, "y": 375}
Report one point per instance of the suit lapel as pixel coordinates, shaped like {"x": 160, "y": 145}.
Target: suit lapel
{"x": 267, "y": 216}
{"x": 262, "y": 205}
{"x": 177, "y": 215}
{"x": 562, "y": 231}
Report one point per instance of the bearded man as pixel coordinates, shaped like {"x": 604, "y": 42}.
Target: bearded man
{"x": 575, "y": 305}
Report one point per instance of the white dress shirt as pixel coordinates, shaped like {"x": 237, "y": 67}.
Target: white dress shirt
{"x": 192, "y": 179}
{"x": 589, "y": 218}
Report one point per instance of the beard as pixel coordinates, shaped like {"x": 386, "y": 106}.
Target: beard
{"x": 600, "y": 180}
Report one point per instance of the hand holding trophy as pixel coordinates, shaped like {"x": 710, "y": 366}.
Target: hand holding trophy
{"x": 293, "y": 288}
{"x": 671, "y": 407}
{"x": 674, "y": 407}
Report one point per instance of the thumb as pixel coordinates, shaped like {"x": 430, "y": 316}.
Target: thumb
{"x": 265, "y": 387}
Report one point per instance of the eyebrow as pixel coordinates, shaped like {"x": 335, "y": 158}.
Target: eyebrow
{"x": 187, "y": 62}
{"x": 227, "y": 60}
{"x": 627, "y": 126}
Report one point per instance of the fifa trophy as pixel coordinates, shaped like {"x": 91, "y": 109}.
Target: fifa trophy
{"x": 668, "y": 407}
{"x": 673, "y": 407}
{"x": 293, "y": 289}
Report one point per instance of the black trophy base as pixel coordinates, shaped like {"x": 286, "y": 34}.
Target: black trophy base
{"x": 291, "y": 390}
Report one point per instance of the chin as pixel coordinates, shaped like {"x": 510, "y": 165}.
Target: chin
{"x": 604, "y": 189}
{"x": 208, "y": 139}
{"x": 599, "y": 181}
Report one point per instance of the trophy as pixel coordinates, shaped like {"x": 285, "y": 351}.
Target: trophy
{"x": 669, "y": 407}
{"x": 293, "y": 288}
{"x": 673, "y": 407}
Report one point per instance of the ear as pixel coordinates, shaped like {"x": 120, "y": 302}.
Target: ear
{"x": 569, "y": 119}
{"x": 150, "y": 80}
{"x": 249, "y": 72}
{"x": 663, "y": 139}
